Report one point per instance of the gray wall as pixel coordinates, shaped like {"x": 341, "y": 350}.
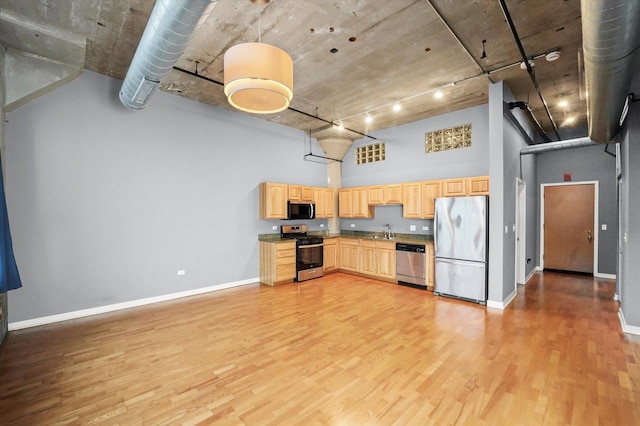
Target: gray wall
{"x": 589, "y": 164}
{"x": 507, "y": 165}
{"x": 630, "y": 219}
{"x": 106, "y": 204}
{"x": 406, "y": 161}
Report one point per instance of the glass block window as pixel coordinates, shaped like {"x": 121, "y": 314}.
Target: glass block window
{"x": 445, "y": 139}
{"x": 370, "y": 153}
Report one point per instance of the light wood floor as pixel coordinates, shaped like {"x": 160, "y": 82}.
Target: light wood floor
{"x": 340, "y": 350}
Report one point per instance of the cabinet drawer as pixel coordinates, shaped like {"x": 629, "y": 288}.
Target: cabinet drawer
{"x": 289, "y": 252}
{"x": 367, "y": 243}
{"x": 290, "y": 260}
{"x": 284, "y": 272}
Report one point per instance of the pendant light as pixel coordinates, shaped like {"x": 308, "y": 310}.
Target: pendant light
{"x": 258, "y": 77}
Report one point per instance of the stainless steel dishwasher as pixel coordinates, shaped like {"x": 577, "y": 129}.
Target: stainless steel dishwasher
{"x": 410, "y": 264}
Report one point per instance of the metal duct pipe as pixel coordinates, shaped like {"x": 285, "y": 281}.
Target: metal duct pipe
{"x": 170, "y": 29}
{"x": 554, "y": 146}
{"x": 611, "y": 42}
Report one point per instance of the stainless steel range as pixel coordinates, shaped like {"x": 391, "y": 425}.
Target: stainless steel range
{"x": 309, "y": 251}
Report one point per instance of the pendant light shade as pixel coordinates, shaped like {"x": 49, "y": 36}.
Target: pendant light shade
{"x": 258, "y": 78}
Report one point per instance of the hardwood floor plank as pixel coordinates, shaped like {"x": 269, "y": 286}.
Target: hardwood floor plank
{"x": 336, "y": 350}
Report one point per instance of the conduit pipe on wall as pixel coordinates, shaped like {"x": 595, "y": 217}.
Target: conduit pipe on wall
{"x": 554, "y": 146}
{"x": 171, "y": 27}
{"x": 611, "y": 43}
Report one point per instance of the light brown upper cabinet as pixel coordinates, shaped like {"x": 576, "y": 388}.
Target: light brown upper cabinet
{"x": 376, "y": 195}
{"x": 385, "y": 194}
{"x": 478, "y": 185}
{"x": 300, "y": 193}
{"x": 393, "y": 193}
{"x": 273, "y": 200}
{"x": 345, "y": 202}
{"x": 360, "y": 200}
{"x": 431, "y": 190}
{"x": 411, "y": 200}
{"x": 474, "y": 185}
{"x": 323, "y": 199}
{"x": 354, "y": 203}
{"x": 454, "y": 187}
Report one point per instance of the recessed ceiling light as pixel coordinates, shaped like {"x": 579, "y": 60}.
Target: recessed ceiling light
{"x": 569, "y": 120}
{"x": 552, "y": 56}
{"x": 397, "y": 107}
{"x": 438, "y": 94}
{"x": 340, "y": 125}
{"x": 368, "y": 118}
{"x": 563, "y": 104}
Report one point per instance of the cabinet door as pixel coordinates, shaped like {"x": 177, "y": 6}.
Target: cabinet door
{"x": 478, "y": 185}
{"x": 273, "y": 200}
{"x": 306, "y": 193}
{"x": 295, "y": 192}
{"x": 454, "y": 187}
{"x": 411, "y": 193}
{"x": 393, "y": 193}
{"x": 328, "y": 202}
{"x": 386, "y": 261}
{"x": 376, "y": 195}
{"x": 368, "y": 257}
{"x": 330, "y": 255}
{"x": 430, "y": 191}
{"x": 319, "y": 200}
{"x": 430, "y": 265}
{"x": 349, "y": 255}
{"x": 345, "y": 203}
{"x": 360, "y": 202}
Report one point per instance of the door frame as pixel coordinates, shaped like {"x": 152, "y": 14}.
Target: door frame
{"x": 521, "y": 232}
{"x": 596, "y": 219}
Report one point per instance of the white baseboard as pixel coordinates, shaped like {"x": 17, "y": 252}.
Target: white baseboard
{"x": 630, "y": 329}
{"x": 531, "y": 274}
{"x": 608, "y": 276}
{"x": 504, "y": 303}
{"x": 18, "y": 325}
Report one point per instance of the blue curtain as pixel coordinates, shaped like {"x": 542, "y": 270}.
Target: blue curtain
{"x": 9, "y": 276}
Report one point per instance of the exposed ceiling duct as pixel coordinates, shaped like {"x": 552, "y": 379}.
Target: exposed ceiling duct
{"x": 168, "y": 32}
{"x": 555, "y": 146}
{"x": 611, "y": 42}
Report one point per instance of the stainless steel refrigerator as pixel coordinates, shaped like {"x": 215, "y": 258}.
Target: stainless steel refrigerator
{"x": 461, "y": 247}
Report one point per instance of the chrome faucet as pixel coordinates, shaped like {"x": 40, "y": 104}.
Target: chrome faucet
{"x": 387, "y": 232}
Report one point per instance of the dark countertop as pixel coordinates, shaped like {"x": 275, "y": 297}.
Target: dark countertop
{"x": 376, "y": 236}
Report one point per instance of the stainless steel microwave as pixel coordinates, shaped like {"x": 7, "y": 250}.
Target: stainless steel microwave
{"x": 301, "y": 210}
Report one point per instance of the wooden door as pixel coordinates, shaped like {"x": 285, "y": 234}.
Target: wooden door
{"x": 568, "y": 227}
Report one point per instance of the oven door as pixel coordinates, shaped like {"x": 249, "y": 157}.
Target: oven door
{"x": 309, "y": 256}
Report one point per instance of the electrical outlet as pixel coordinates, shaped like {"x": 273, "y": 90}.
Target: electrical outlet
{"x": 506, "y": 229}
{"x": 425, "y": 228}
{"x": 514, "y": 227}
{"x": 274, "y": 227}
{"x": 604, "y": 226}
{"x": 181, "y": 272}
{"x": 322, "y": 225}
{"x": 412, "y": 227}
{"x": 353, "y": 225}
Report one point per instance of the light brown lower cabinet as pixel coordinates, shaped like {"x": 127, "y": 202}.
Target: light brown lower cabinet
{"x": 386, "y": 259}
{"x": 330, "y": 255}
{"x": 349, "y": 253}
{"x": 277, "y": 262}
{"x": 430, "y": 266}
{"x": 367, "y": 257}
